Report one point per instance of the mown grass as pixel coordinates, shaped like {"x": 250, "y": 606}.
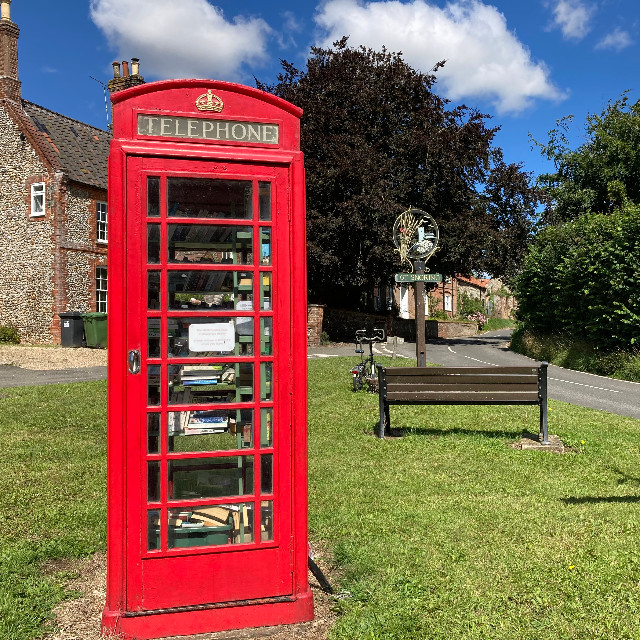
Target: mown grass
{"x": 52, "y": 495}
{"x": 448, "y": 532}
{"x": 493, "y": 324}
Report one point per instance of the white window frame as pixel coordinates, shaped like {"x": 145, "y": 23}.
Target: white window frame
{"x": 448, "y": 302}
{"x": 38, "y": 192}
{"x": 102, "y": 234}
{"x": 101, "y": 289}
{"x": 404, "y": 301}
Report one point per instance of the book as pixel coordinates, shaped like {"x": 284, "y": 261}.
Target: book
{"x": 202, "y": 431}
{"x": 214, "y": 516}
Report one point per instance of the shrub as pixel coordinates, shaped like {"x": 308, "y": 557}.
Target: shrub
{"x": 479, "y": 318}
{"x": 468, "y": 305}
{"x": 9, "y": 335}
{"x": 582, "y": 280}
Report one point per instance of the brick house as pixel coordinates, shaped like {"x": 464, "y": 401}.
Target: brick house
{"x": 496, "y": 299}
{"x": 53, "y": 207}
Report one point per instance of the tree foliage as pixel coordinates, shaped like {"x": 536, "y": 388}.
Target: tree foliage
{"x": 378, "y": 140}
{"x": 601, "y": 174}
{"x": 582, "y": 279}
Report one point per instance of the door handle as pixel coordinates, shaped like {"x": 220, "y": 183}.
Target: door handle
{"x": 133, "y": 360}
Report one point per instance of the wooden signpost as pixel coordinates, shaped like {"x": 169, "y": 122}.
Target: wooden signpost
{"x": 415, "y": 234}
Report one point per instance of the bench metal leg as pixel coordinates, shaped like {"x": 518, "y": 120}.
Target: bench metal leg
{"x": 542, "y": 395}
{"x": 384, "y": 407}
{"x": 384, "y": 412}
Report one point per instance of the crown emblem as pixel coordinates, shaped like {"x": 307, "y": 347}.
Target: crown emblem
{"x": 209, "y": 102}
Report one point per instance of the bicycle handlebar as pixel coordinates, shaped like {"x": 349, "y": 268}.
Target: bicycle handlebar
{"x": 378, "y": 335}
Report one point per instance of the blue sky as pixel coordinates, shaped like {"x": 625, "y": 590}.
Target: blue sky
{"x": 526, "y": 63}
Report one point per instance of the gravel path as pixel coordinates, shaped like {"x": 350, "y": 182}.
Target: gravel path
{"x": 48, "y": 358}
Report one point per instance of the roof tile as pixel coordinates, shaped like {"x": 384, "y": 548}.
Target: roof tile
{"x": 82, "y": 150}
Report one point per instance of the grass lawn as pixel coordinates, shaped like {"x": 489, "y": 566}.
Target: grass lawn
{"x": 52, "y": 495}
{"x": 446, "y": 533}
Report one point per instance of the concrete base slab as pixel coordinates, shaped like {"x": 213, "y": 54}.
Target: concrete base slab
{"x": 532, "y": 441}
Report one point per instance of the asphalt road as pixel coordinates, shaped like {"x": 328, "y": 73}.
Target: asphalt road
{"x": 11, "y": 376}
{"x": 584, "y": 389}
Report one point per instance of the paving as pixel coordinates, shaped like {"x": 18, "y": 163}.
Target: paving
{"x": 11, "y": 376}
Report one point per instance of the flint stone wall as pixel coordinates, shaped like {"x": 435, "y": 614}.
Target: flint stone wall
{"x": 26, "y": 244}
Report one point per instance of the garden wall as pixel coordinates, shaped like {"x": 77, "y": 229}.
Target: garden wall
{"x": 341, "y": 326}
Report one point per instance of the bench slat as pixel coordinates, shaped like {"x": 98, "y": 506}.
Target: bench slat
{"x": 460, "y": 380}
{"x": 439, "y": 397}
{"x": 470, "y": 386}
{"x": 438, "y": 371}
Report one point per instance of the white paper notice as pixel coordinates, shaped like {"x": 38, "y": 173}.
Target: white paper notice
{"x": 219, "y": 336}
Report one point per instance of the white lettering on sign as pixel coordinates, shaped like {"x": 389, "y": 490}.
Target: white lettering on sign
{"x": 219, "y": 336}
{"x": 205, "y": 129}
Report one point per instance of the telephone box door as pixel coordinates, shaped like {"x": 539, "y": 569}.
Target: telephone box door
{"x": 208, "y": 420}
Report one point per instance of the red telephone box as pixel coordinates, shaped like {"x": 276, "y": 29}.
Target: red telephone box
{"x": 207, "y": 458}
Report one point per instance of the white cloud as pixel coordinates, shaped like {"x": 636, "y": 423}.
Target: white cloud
{"x": 182, "y": 38}
{"x": 291, "y": 26}
{"x": 484, "y": 58}
{"x": 572, "y": 17}
{"x": 618, "y": 39}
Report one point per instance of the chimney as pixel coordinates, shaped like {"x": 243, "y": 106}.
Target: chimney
{"x": 125, "y": 80}
{"x": 9, "y": 32}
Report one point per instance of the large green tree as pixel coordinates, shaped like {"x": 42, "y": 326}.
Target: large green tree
{"x": 581, "y": 278}
{"x": 377, "y": 140}
{"x": 601, "y": 174}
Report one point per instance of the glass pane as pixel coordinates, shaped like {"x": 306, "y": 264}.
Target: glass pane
{"x": 210, "y": 383}
{"x": 153, "y": 337}
{"x": 153, "y": 530}
{"x": 266, "y": 520}
{"x": 153, "y": 433}
{"x": 153, "y": 290}
{"x": 206, "y": 337}
{"x": 153, "y": 243}
{"x": 264, "y": 197}
{"x": 266, "y": 337}
{"x": 265, "y": 245}
{"x": 209, "y": 198}
{"x": 211, "y": 525}
{"x": 266, "y": 375}
{"x": 210, "y": 244}
{"x": 266, "y": 473}
{"x": 210, "y": 290}
{"x": 153, "y": 385}
{"x": 266, "y": 428}
{"x": 153, "y": 481}
{"x": 153, "y": 197}
{"x": 265, "y": 290}
{"x": 210, "y": 477}
{"x": 217, "y": 430}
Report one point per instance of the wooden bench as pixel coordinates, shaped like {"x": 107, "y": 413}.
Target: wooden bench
{"x": 462, "y": 385}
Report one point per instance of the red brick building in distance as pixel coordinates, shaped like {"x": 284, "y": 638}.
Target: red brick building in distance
{"x": 496, "y": 299}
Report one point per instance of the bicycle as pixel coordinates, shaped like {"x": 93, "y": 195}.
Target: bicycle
{"x": 365, "y": 371}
